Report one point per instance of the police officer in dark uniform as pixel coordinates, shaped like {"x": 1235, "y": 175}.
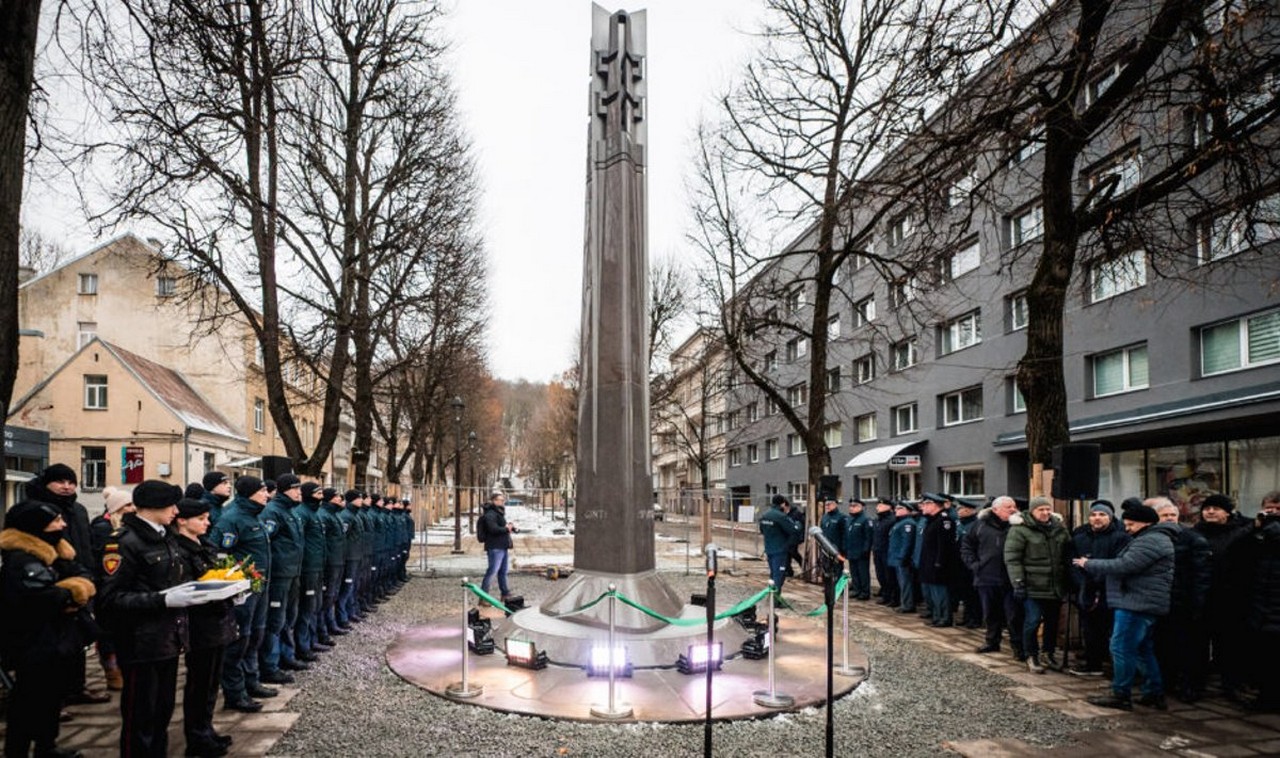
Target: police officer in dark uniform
{"x": 311, "y": 588}
{"x": 240, "y": 533}
{"x": 284, "y": 527}
{"x": 406, "y": 538}
{"x": 902, "y": 541}
{"x": 939, "y": 558}
{"x": 335, "y": 548}
{"x": 148, "y": 619}
{"x": 885, "y": 575}
{"x": 857, "y": 549}
{"x": 348, "y": 610}
{"x": 217, "y": 491}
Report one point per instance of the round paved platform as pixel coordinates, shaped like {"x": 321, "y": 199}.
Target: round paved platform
{"x": 430, "y": 657}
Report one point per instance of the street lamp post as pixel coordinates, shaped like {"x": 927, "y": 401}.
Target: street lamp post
{"x": 475, "y": 495}
{"x": 458, "y": 406}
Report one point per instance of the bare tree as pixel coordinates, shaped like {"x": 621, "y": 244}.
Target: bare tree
{"x": 38, "y": 252}
{"x": 688, "y": 401}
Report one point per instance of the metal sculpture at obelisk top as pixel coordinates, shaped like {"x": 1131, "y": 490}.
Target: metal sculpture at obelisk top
{"x": 614, "y": 531}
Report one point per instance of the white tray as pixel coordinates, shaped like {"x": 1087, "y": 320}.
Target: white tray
{"x": 216, "y": 589}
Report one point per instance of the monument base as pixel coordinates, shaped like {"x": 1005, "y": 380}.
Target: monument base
{"x": 647, "y": 588}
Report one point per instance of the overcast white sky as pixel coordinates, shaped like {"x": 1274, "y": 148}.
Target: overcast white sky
{"x": 522, "y": 72}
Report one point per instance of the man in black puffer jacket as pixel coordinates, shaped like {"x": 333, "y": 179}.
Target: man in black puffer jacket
{"x": 1179, "y": 636}
{"x": 1102, "y": 537}
{"x": 1139, "y": 583}
{"x": 1257, "y": 557}
{"x": 1223, "y": 526}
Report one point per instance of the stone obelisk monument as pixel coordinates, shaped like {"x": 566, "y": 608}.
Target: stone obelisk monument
{"x": 614, "y": 542}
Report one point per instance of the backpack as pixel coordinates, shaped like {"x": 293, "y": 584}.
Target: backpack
{"x": 482, "y": 529}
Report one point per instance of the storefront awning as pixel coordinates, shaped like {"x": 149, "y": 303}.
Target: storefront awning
{"x": 254, "y": 462}
{"x": 879, "y": 456}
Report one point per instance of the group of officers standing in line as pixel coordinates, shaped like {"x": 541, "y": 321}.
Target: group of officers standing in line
{"x": 319, "y": 560}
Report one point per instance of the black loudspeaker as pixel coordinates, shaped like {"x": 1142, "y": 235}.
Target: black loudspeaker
{"x": 275, "y": 465}
{"x": 1075, "y": 467}
{"x": 828, "y": 487}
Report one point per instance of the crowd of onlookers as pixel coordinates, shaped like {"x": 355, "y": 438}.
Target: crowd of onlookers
{"x": 159, "y": 579}
{"x": 1161, "y": 598}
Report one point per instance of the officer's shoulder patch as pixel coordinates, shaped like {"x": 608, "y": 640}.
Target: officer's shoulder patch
{"x": 228, "y": 539}
{"x": 908, "y": 527}
{"x": 946, "y": 524}
{"x": 270, "y": 525}
{"x": 111, "y": 562}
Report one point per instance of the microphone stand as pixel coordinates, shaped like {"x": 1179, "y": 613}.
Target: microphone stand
{"x": 831, "y": 568}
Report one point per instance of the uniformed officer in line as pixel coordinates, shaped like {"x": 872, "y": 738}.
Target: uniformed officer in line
{"x": 780, "y": 533}
{"x": 335, "y": 548}
{"x": 965, "y": 591}
{"x": 833, "y": 523}
{"x": 381, "y": 549}
{"x": 885, "y": 575}
{"x": 348, "y": 610}
{"x": 939, "y": 558}
{"x": 311, "y": 587}
{"x": 406, "y": 538}
{"x": 148, "y": 624}
{"x": 858, "y": 535}
{"x": 284, "y": 527}
{"x": 364, "y": 588}
{"x": 902, "y": 544}
{"x": 240, "y": 533}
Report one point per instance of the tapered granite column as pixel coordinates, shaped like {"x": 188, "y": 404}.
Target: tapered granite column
{"x": 613, "y": 540}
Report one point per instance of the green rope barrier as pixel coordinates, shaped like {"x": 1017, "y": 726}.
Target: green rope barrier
{"x": 496, "y": 603}
{"x": 733, "y": 611}
{"x": 844, "y": 579}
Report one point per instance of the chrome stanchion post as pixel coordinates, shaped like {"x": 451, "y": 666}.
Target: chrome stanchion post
{"x": 613, "y": 710}
{"x": 464, "y": 690}
{"x": 771, "y": 698}
{"x": 846, "y": 670}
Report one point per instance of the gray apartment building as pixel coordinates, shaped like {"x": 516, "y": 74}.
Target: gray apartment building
{"x": 1172, "y": 364}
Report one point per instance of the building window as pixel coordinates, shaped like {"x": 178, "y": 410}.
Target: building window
{"x": 1027, "y": 146}
{"x": 1101, "y": 82}
{"x": 899, "y": 229}
{"x": 798, "y": 395}
{"x": 753, "y": 453}
{"x": 770, "y": 360}
{"x": 833, "y": 435}
{"x": 864, "y": 427}
{"x": 864, "y": 369}
{"x": 833, "y": 380}
{"x": 961, "y": 262}
{"x": 959, "y": 333}
{"x": 1024, "y": 226}
{"x": 1120, "y": 371}
{"x": 833, "y": 328}
{"x": 85, "y": 332}
{"x": 735, "y": 456}
{"x": 752, "y": 412}
{"x": 967, "y": 482}
{"x": 859, "y": 261}
{"x": 770, "y": 406}
{"x": 1232, "y": 233}
{"x": 962, "y": 407}
{"x": 961, "y": 189}
{"x": 867, "y": 488}
{"x": 166, "y": 286}
{"x": 1016, "y": 307}
{"x": 1122, "y": 173}
{"x": 1017, "y": 403}
{"x": 797, "y": 492}
{"x": 1116, "y": 276}
{"x": 259, "y": 415}
{"x": 864, "y": 311}
{"x": 795, "y": 444}
{"x": 902, "y": 291}
{"x": 95, "y": 392}
{"x": 1241, "y": 343}
{"x": 87, "y": 284}
{"x": 905, "y": 354}
{"x": 797, "y": 349}
{"x": 905, "y": 418}
{"x": 771, "y": 449}
{"x": 93, "y": 468}
{"x": 795, "y": 301}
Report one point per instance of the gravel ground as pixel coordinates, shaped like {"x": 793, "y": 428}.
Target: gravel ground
{"x": 915, "y": 699}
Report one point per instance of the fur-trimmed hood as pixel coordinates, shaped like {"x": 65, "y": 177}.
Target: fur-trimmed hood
{"x": 1021, "y": 518}
{"x": 14, "y": 539}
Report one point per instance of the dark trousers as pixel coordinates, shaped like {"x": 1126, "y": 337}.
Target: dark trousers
{"x": 146, "y": 706}
{"x": 308, "y": 622}
{"x": 938, "y": 598}
{"x": 282, "y": 601}
{"x": 1266, "y": 665}
{"x": 1227, "y": 645}
{"x": 1179, "y": 643}
{"x": 907, "y": 587}
{"x": 1036, "y": 610}
{"x": 240, "y": 665}
{"x": 1095, "y": 627}
{"x": 200, "y": 694}
{"x": 1001, "y": 611}
{"x": 329, "y": 606}
{"x": 348, "y": 606}
{"x": 860, "y": 577}
{"x": 887, "y": 578}
{"x": 34, "y": 705}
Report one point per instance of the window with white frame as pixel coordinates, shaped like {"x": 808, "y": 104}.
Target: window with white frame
{"x": 1100, "y": 82}
{"x": 795, "y": 444}
{"x": 753, "y": 453}
{"x": 1118, "y": 275}
{"x": 93, "y": 468}
{"x": 867, "y": 487}
{"x": 771, "y": 449}
{"x": 1017, "y": 403}
{"x": 1196, "y": 126}
{"x": 864, "y": 311}
{"x": 1123, "y": 172}
{"x": 906, "y": 418}
{"x": 87, "y": 284}
{"x": 85, "y": 332}
{"x": 752, "y": 412}
{"x": 1240, "y": 343}
{"x": 833, "y": 328}
{"x": 798, "y": 394}
{"x": 1016, "y": 306}
{"x": 864, "y": 369}
{"x": 898, "y": 230}
{"x": 1231, "y": 233}
{"x": 961, "y": 332}
{"x": 797, "y": 349}
{"x": 962, "y": 407}
{"x": 770, "y": 406}
{"x": 1248, "y": 101}
{"x": 1027, "y": 146}
{"x": 259, "y": 415}
{"x": 1025, "y": 226}
{"x": 717, "y": 467}
{"x": 731, "y": 421}
{"x": 166, "y": 286}
{"x": 797, "y": 492}
{"x": 902, "y": 291}
{"x": 735, "y": 457}
{"x": 833, "y": 434}
{"x": 859, "y": 261}
{"x": 795, "y": 301}
{"x": 95, "y": 392}
{"x": 770, "y": 360}
{"x": 966, "y": 482}
{"x": 962, "y": 261}
{"x": 961, "y": 189}
{"x": 864, "y": 427}
{"x": 904, "y": 354}
{"x": 833, "y": 379}
{"x": 1119, "y": 371}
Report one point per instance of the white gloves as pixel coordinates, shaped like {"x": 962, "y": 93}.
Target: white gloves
{"x": 184, "y": 597}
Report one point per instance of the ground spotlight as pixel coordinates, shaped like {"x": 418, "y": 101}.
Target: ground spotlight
{"x": 524, "y": 654}
{"x": 701, "y": 657}
{"x": 479, "y": 633}
{"x": 600, "y": 662}
{"x": 757, "y": 645}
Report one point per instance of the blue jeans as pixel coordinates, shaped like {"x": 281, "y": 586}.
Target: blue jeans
{"x": 497, "y": 567}
{"x": 777, "y": 569}
{"x": 1036, "y": 610}
{"x": 1133, "y": 649}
